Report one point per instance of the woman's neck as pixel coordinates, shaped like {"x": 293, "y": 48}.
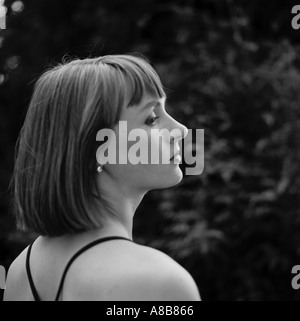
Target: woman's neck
{"x": 118, "y": 206}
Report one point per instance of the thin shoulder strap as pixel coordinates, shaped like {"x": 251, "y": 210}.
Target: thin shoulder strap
{"x": 31, "y": 283}
{"x": 75, "y": 256}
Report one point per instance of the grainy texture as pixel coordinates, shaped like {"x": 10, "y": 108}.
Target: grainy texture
{"x": 232, "y": 68}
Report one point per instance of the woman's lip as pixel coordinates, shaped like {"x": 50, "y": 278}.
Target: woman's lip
{"x": 175, "y": 155}
{"x": 176, "y": 159}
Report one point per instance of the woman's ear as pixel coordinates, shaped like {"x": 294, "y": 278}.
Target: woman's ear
{"x": 107, "y": 151}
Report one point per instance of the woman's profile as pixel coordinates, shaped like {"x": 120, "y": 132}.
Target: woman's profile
{"x": 83, "y": 209}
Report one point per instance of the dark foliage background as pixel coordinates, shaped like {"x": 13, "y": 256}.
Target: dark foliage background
{"x": 233, "y": 69}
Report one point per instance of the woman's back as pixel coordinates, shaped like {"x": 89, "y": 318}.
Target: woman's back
{"x": 112, "y": 270}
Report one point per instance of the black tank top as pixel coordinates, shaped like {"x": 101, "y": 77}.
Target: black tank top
{"x": 85, "y": 248}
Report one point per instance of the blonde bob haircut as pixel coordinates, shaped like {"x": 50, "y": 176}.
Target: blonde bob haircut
{"x": 55, "y": 161}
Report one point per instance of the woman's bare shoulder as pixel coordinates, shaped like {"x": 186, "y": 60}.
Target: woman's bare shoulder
{"x": 130, "y": 272}
{"x": 16, "y": 277}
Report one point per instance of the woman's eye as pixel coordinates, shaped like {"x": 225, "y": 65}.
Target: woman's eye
{"x": 151, "y": 120}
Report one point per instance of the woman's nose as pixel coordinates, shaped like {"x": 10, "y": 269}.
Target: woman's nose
{"x": 180, "y": 130}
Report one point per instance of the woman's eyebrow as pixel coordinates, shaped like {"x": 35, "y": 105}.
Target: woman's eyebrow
{"x": 152, "y": 103}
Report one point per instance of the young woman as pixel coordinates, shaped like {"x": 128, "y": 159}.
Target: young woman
{"x": 83, "y": 209}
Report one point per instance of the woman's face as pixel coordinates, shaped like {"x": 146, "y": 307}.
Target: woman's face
{"x": 147, "y": 119}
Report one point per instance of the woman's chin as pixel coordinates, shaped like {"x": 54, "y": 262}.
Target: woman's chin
{"x": 170, "y": 179}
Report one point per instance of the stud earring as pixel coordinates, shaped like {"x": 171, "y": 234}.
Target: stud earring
{"x": 99, "y": 168}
